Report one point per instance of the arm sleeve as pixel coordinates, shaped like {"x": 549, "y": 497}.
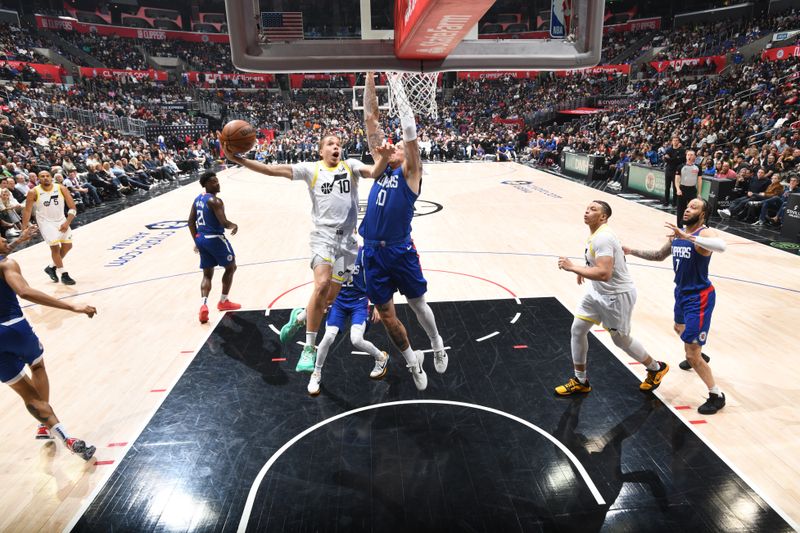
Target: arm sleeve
{"x": 303, "y": 172}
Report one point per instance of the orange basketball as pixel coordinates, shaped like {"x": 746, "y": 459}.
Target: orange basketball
{"x": 239, "y": 136}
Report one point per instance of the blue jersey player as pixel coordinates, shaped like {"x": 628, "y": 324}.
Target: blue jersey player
{"x": 390, "y": 259}
{"x": 351, "y": 302}
{"x": 207, "y": 222}
{"x": 19, "y": 347}
{"x": 691, "y": 251}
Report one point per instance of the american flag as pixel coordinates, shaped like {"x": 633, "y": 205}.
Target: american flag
{"x": 282, "y": 25}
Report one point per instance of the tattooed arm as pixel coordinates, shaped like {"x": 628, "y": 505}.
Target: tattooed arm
{"x": 651, "y": 255}
{"x": 375, "y": 135}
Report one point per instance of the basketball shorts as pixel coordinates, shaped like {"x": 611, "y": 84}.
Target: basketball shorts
{"x": 337, "y": 248}
{"x": 357, "y": 311}
{"x": 694, "y": 310}
{"x": 51, "y": 234}
{"x": 613, "y": 311}
{"x": 19, "y": 346}
{"x": 215, "y": 250}
{"x": 393, "y": 268}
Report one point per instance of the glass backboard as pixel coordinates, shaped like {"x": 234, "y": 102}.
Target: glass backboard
{"x": 359, "y": 35}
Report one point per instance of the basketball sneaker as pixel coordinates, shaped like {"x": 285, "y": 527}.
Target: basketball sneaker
{"x": 417, "y": 372}
{"x": 66, "y": 280}
{"x": 381, "y": 367}
{"x": 290, "y": 329}
{"x": 203, "y": 314}
{"x": 314, "y": 382}
{"x": 573, "y": 386}
{"x": 440, "y": 361}
{"x": 714, "y": 403}
{"x": 686, "y": 365}
{"x": 78, "y": 447}
{"x": 43, "y": 433}
{"x": 654, "y": 377}
{"x": 228, "y": 305}
{"x": 51, "y": 271}
{"x": 307, "y": 359}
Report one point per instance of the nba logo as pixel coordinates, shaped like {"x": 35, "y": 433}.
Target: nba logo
{"x": 560, "y": 14}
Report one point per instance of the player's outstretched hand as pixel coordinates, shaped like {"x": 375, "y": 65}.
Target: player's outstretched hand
{"x": 580, "y": 279}
{"x": 234, "y": 229}
{"x": 675, "y": 231}
{"x": 376, "y": 316}
{"x": 228, "y": 153}
{"x": 87, "y": 310}
{"x": 384, "y": 150}
{"x": 626, "y": 250}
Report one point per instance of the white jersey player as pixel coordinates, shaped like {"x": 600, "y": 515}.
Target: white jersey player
{"x": 609, "y": 300}
{"x": 333, "y": 187}
{"x": 51, "y": 200}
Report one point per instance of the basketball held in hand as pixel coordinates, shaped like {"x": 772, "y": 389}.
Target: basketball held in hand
{"x": 238, "y": 136}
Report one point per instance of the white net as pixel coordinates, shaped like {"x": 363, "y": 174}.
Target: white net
{"x": 412, "y": 93}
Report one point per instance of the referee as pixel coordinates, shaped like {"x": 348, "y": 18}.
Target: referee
{"x": 688, "y": 183}
{"x": 674, "y": 156}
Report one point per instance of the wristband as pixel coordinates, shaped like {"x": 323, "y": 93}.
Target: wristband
{"x": 72, "y": 212}
{"x": 409, "y": 127}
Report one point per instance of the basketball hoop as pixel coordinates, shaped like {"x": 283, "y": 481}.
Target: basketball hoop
{"x": 412, "y": 93}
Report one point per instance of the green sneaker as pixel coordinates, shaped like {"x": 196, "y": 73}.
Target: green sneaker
{"x": 289, "y": 330}
{"x": 307, "y": 359}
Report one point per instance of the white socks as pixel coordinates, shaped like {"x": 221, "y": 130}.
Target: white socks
{"x": 311, "y": 338}
{"x": 204, "y": 300}
{"x": 59, "y": 430}
{"x": 301, "y": 316}
{"x": 410, "y": 356}
{"x": 581, "y": 375}
{"x": 223, "y": 298}
{"x": 59, "y": 271}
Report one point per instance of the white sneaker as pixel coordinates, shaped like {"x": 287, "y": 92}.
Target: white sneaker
{"x": 417, "y": 372}
{"x": 724, "y": 213}
{"x": 314, "y": 382}
{"x": 380, "y": 368}
{"x": 440, "y": 361}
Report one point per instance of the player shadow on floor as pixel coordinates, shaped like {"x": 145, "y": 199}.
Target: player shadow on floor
{"x": 256, "y": 352}
{"x": 602, "y": 458}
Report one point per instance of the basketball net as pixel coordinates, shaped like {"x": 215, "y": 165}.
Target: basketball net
{"x": 412, "y": 93}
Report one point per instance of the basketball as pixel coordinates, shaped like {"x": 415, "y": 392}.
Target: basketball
{"x": 239, "y": 136}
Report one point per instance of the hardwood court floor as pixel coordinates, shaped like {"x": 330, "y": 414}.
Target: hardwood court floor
{"x": 501, "y": 222}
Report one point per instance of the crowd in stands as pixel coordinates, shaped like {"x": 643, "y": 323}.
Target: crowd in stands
{"x": 95, "y": 164}
{"x": 17, "y": 44}
{"x": 111, "y": 51}
{"x": 202, "y": 57}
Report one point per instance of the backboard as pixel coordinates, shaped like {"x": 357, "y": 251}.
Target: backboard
{"x": 359, "y": 35}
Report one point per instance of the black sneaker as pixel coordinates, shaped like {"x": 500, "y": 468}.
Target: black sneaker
{"x": 51, "y": 271}
{"x": 684, "y": 365}
{"x": 80, "y": 448}
{"x": 66, "y": 280}
{"x": 714, "y": 403}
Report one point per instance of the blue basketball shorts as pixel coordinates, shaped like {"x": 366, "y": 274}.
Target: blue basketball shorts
{"x": 393, "y": 268}
{"x": 215, "y": 250}
{"x": 694, "y": 310}
{"x": 357, "y": 311}
{"x": 19, "y": 346}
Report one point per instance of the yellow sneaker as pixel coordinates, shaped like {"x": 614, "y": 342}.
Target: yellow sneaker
{"x": 654, "y": 377}
{"x": 573, "y": 386}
